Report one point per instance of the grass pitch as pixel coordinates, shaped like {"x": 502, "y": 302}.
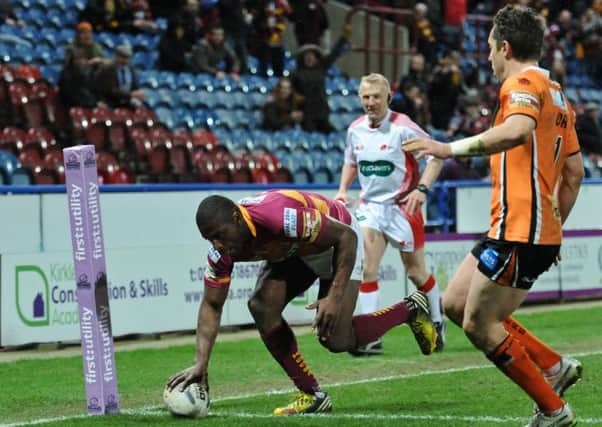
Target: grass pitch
{"x": 456, "y": 388}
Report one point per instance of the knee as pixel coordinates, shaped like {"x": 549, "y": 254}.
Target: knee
{"x": 257, "y": 308}
{"x": 474, "y": 331}
{"x": 335, "y": 345}
{"x": 453, "y": 308}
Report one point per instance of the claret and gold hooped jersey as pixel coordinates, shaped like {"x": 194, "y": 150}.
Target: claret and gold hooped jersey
{"x": 524, "y": 178}
{"x": 384, "y": 169}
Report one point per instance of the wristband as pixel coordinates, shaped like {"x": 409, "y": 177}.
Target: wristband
{"x": 423, "y": 189}
{"x": 472, "y": 146}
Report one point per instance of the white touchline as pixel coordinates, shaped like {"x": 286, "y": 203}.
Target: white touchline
{"x": 157, "y": 410}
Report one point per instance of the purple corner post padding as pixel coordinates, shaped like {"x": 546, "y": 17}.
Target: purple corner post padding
{"x": 87, "y": 239}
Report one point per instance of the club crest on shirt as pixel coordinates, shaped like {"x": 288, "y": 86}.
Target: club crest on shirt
{"x": 312, "y": 222}
{"x": 524, "y": 99}
{"x": 289, "y": 222}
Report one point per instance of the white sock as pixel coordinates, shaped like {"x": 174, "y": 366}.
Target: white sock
{"x": 435, "y": 302}
{"x": 434, "y": 298}
{"x": 369, "y": 301}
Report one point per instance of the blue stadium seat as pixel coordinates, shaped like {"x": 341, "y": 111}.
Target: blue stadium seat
{"x": 165, "y": 116}
{"x": 183, "y": 119}
{"x": 8, "y": 164}
{"x": 185, "y": 81}
{"x": 302, "y": 176}
{"x": 321, "y": 176}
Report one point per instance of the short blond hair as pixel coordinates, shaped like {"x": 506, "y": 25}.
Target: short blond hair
{"x": 376, "y": 78}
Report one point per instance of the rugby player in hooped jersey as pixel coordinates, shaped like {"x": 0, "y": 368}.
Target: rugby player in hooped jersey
{"x": 391, "y": 197}
{"x": 536, "y": 173}
{"x": 302, "y": 237}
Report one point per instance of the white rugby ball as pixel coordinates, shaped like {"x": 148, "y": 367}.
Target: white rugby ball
{"x": 193, "y": 402}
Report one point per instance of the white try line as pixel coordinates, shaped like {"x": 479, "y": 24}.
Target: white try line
{"x": 158, "y": 410}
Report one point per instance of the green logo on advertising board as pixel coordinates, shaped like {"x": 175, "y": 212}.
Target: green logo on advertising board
{"x": 32, "y": 295}
{"x": 378, "y": 168}
{"x": 46, "y": 298}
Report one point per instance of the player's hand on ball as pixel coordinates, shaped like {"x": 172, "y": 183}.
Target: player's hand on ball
{"x": 186, "y": 377}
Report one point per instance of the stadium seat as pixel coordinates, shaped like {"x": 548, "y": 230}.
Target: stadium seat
{"x": 96, "y": 132}
{"x": 54, "y": 161}
{"x": 8, "y": 164}
{"x": 21, "y": 176}
{"x": 12, "y": 139}
{"x": 261, "y": 175}
{"x": 282, "y": 175}
{"x": 105, "y": 161}
{"x": 141, "y": 142}
{"x": 161, "y": 136}
{"x": 120, "y": 175}
{"x": 179, "y": 159}
{"x": 80, "y": 121}
{"x": 159, "y": 160}
{"x": 242, "y": 175}
{"x": 183, "y": 137}
{"x": 43, "y": 176}
{"x": 144, "y": 117}
{"x": 302, "y": 176}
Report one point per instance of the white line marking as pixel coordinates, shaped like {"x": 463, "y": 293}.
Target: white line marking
{"x": 158, "y": 410}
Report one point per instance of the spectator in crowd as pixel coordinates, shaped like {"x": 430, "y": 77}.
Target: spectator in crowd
{"x": 284, "y": 108}
{"x": 7, "y": 14}
{"x": 422, "y": 34}
{"x": 268, "y": 32}
{"x": 84, "y": 40}
{"x": 417, "y": 74}
{"x": 75, "y": 82}
{"x": 458, "y": 168}
{"x": 445, "y": 88}
{"x": 190, "y": 16}
{"x": 174, "y": 48}
{"x": 116, "y": 15}
{"x": 309, "y": 80}
{"x": 414, "y": 103}
{"x": 471, "y": 120}
{"x": 117, "y": 82}
{"x": 234, "y": 17}
{"x": 589, "y": 130}
{"x": 211, "y": 55}
{"x": 311, "y": 21}
{"x": 143, "y": 18}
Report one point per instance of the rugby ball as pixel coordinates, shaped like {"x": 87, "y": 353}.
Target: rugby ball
{"x": 193, "y": 402}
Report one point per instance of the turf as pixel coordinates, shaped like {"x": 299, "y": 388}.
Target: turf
{"x": 402, "y": 387}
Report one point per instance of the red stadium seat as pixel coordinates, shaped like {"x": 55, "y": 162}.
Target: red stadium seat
{"x": 204, "y": 137}
{"x": 121, "y": 175}
{"x": 54, "y": 161}
{"x": 282, "y": 175}
{"x": 96, "y": 131}
{"x": 159, "y": 160}
{"x": 41, "y": 136}
{"x": 7, "y": 76}
{"x": 180, "y": 160}
{"x": 242, "y": 175}
{"x": 221, "y": 175}
{"x": 28, "y": 73}
{"x": 13, "y": 139}
{"x": 30, "y": 159}
{"x": 105, "y": 161}
{"x": 183, "y": 137}
{"x": 161, "y": 136}
{"x": 44, "y": 176}
{"x": 141, "y": 142}
{"x": 145, "y": 118}
{"x": 261, "y": 176}
{"x": 56, "y": 113}
{"x": 80, "y": 120}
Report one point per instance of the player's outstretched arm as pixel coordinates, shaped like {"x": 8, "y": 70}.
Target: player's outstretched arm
{"x": 514, "y": 131}
{"x": 210, "y": 313}
{"x": 344, "y": 240}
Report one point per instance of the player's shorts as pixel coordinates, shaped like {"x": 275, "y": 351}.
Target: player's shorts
{"x": 403, "y": 231}
{"x": 514, "y": 264}
{"x": 321, "y": 263}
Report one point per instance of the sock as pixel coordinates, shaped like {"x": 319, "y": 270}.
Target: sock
{"x": 512, "y": 359}
{"x": 540, "y": 353}
{"x": 370, "y": 327}
{"x": 431, "y": 289}
{"x": 369, "y": 297}
{"x": 281, "y": 342}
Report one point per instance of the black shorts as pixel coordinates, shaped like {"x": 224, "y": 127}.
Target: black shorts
{"x": 514, "y": 264}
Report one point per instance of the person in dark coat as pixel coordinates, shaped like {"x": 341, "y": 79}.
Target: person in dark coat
{"x": 75, "y": 82}
{"x": 117, "y": 83}
{"x": 309, "y": 80}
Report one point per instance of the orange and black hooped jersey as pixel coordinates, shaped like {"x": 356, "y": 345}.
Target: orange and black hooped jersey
{"x": 524, "y": 207}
